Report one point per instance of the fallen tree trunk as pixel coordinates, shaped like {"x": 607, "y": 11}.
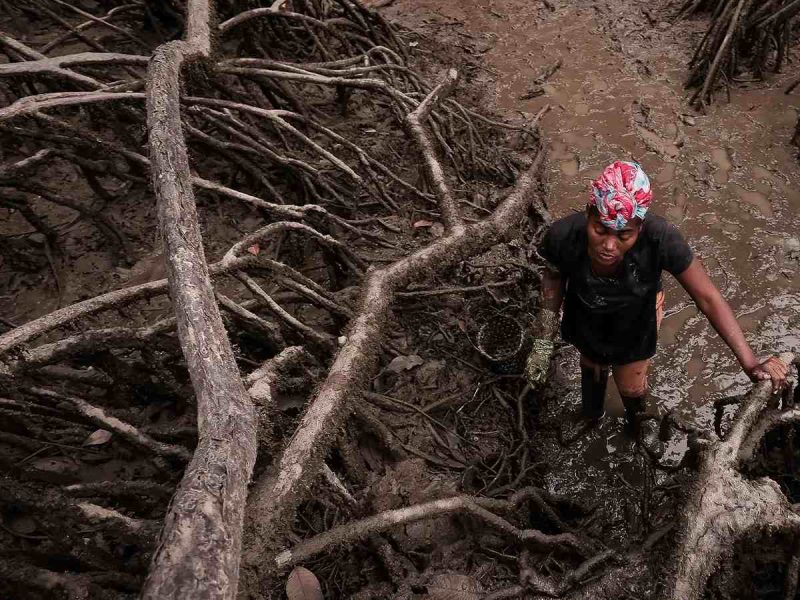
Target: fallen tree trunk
{"x": 199, "y": 550}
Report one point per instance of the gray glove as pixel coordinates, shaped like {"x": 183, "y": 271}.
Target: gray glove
{"x": 538, "y": 362}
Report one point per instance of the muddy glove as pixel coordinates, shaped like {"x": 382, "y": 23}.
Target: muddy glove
{"x": 538, "y": 362}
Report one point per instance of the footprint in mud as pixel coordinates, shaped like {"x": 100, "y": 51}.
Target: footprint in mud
{"x": 721, "y": 158}
{"x": 763, "y": 180}
{"x": 709, "y": 218}
{"x": 677, "y": 213}
{"x": 752, "y": 320}
{"x": 757, "y": 199}
{"x": 570, "y": 167}
{"x": 672, "y": 325}
{"x": 579, "y": 140}
{"x": 766, "y": 181}
{"x": 655, "y": 143}
{"x": 666, "y": 174}
{"x": 555, "y": 94}
{"x": 558, "y": 151}
{"x": 581, "y": 109}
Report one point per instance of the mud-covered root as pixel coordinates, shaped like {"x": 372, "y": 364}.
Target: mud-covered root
{"x": 723, "y": 506}
{"x": 742, "y": 36}
{"x": 276, "y": 495}
{"x": 482, "y": 509}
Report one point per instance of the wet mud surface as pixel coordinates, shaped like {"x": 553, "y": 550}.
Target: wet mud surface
{"x": 728, "y": 179}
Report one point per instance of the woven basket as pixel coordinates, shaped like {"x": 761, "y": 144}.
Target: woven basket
{"x": 502, "y": 342}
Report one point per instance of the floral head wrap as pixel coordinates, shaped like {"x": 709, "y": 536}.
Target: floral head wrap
{"x": 621, "y": 193}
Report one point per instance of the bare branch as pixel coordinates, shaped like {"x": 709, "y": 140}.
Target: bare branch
{"x": 32, "y": 104}
{"x": 58, "y": 318}
{"x": 433, "y": 168}
{"x": 137, "y": 528}
{"x": 125, "y": 430}
{"x": 207, "y": 510}
{"x": 477, "y": 507}
{"x": 272, "y": 332}
{"x": 275, "y": 496}
{"x": 56, "y": 66}
{"x": 322, "y": 340}
{"x": 261, "y": 380}
{"x": 103, "y": 23}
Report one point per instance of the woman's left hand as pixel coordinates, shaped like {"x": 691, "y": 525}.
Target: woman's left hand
{"x": 772, "y": 368}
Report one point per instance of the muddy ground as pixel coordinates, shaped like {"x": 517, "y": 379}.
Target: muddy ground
{"x": 436, "y": 420}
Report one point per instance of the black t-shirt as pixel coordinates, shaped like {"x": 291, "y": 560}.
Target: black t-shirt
{"x": 612, "y": 320}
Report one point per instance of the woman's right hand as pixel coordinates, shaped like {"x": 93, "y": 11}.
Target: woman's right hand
{"x": 772, "y": 368}
{"x": 538, "y": 363}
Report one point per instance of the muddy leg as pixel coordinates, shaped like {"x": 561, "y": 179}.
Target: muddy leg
{"x": 631, "y": 380}
{"x": 594, "y": 380}
{"x": 641, "y": 424}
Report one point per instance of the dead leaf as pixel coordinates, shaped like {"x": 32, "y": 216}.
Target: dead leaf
{"x": 454, "y": 586}
{"x": 422, "y": 223}
{"x": 54, "y": 465}
{"x": 22, "y": 524}
{"x": 303, "y": 585}
{"x": 404, "y": 363}
{"x": 254, "y": 249}
{"x": 98, "y": 438}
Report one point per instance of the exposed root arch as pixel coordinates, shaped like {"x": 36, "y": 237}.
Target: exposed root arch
{"x": 723, "y": 506}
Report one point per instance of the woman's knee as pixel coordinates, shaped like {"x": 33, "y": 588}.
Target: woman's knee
{"x": 631, "y": 379}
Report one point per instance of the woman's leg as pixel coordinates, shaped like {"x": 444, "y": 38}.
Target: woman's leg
{"x": 594, "y": 379}
{"x": 631, "y": 379}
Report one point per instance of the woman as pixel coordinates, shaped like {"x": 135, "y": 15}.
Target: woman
{"x": 605, "y": 265}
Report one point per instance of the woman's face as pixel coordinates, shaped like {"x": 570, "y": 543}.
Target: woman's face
{"x": 607, "y": 246}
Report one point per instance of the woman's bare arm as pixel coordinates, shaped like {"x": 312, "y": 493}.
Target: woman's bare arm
{"x": 709, "y": 300}
{"x": 546, "y": 324}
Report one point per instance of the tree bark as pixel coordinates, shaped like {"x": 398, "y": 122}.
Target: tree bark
{"x": 276, "y": 495}
{"x": 723, "y": 507}
{"x": 199, "y": 550}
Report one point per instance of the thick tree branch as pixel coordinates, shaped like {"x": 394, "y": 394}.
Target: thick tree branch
{"x": 723, "y": 506}
{"x": 480, "y": 508}
{"x": 276, "y": 495}
{"x": 199, "y": 551}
